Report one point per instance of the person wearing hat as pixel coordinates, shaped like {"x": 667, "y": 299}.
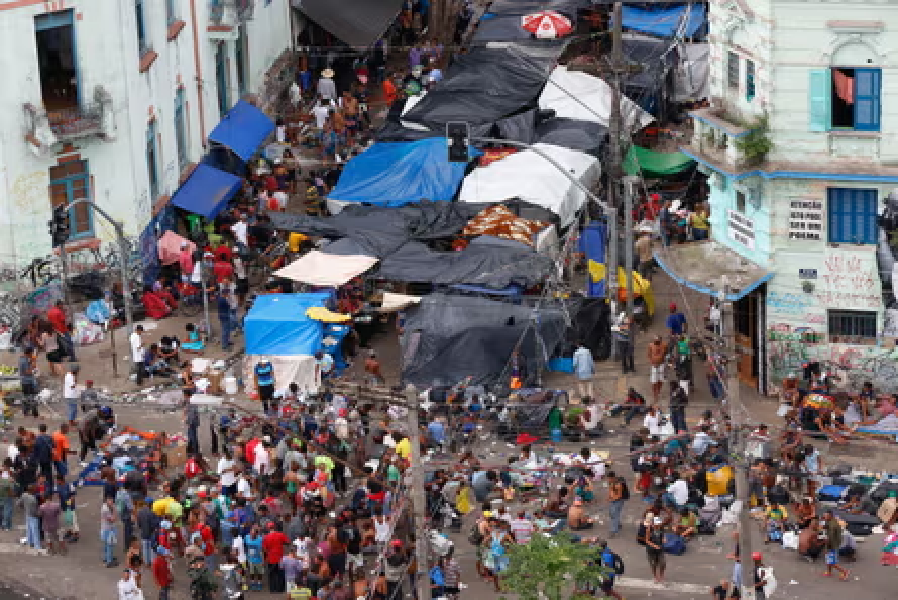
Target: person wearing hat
{"x": 327, "y": 89}
{"x": 760, "y": 575}
{"x": 653, "y": 540}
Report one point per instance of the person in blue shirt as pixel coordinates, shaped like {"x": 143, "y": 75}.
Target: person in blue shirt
{"x": 437, "y": 431}
{"x": 255, "y": 563}
{"x": 611, "y": 562}
{"x": 676, "y": 321}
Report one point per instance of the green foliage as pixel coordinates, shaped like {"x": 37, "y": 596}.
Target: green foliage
{"x": 549, "y": 566}
{"x": 756, "y": 144}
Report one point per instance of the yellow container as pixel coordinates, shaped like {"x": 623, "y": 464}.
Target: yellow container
{"x": 719, "y": 480}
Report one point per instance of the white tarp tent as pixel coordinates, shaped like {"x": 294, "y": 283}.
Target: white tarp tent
{"x": 693, "y": 78}
{"x": 532, "y": 178}
{"x": 287, "y": 369}
{"x": 580, "y": 96}
{"x": 326, "y": 270}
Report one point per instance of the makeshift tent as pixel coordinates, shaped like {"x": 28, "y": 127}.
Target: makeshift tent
{"x": 326, "y": 270}
{"x": 450, "y": 338}
{"x": 398, "y": 173}
{"x": 655, "y": 164}
{"x": 169, "y": 247}
{"x": 529, "y": 176}
{"x": 242, "y": 130}
{"x": 580, "y": 96}
{"x": 523, "y": 7}
{"x": 358, "y": 23}
{"x": 300, "y": 370}
{"x": 593, "y": 241}
{"x": 692, "y": 78}
{"x": 392, "y": 302}
{"x": 206, "y": 191}
{"x": 500, "y": 222}
{"x": 585, "y": 136}
{"x": 652, "y": 86}
{"x": 686, "y": 20}
{"x": 277, "y": 325}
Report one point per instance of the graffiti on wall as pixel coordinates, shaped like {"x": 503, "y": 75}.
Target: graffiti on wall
{"x": 849, "y": 281}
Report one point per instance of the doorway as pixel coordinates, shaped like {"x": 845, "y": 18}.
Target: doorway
{"x": 56, "y": 58}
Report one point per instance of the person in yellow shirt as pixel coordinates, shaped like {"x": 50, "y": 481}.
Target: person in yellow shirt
{"x": 404, "y": 448}
{"x": 775, "y": 518}
{"x": 700, "y": 225}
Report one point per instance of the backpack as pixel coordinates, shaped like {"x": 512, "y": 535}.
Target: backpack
{"x": 625, "y": 490}
{"x": 616, "y": 565}
{"x": 674, "y": 544}
{"x": 640, "y": 534}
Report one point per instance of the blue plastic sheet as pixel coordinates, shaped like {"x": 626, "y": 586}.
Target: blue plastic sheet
{"x": 207, "y": 191}
{"x": 242, "y": 129}
{"x": 593, "y": 244}
{"x": 277, "y": 325}
{"x": 665, "y": 21}
{"x": 399, "y": 173}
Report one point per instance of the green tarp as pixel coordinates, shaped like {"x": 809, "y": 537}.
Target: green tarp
{"x": 655, "y": 164}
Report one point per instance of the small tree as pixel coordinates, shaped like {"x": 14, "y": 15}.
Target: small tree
{"x": 552, "y": 568}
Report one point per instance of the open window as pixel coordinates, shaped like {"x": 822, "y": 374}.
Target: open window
{"x": 56, "y": 57}
{"x": 854, "y": 98}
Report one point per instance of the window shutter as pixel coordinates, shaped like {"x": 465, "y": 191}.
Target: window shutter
{"x": 819, "y": 97}
{"x": 867, "y": 84}
{"x": 869, "y": 234}
{"x": 835, "y": 218}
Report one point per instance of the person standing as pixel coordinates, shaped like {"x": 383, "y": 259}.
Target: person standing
{"x": 192, "y": 420}
{"x": 678, "y": 402}
{"x": 584, "y": 369}
{"x": 57, "y": 318}
{"x": 108, "y": 518}
{"x": 833, "y": 542}
{"x": 327, "y": 89}
{"x": 137, "y": 354}
{"x": 7, "y": 499}
{"x": 643, "y": 247}
{"x": 264, "y": 374}
{"x": 618, "y": 494}
{"x": 676, "y": 322}
{"x": 61, "y": 450}
{"x": 759, "y": 578}
{"x": 50, "y": 513}
{"x": 653, "y": 539}
{"x": 42, "y": 452}
{"x": 223, "y": 304}
{"x": 70, "y": 391}
{"x": 657, "y": 353}
{"x": 273, "y": 545}
{"x": 28, "y": 502}
{"x": 624, "y": 335}
{"x": 28, "y": 379}
{"x": 162, "y": 572}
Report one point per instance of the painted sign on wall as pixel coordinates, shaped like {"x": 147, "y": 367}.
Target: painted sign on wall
{"x": 741, "y": 229}
{"x": 805, "y": 220}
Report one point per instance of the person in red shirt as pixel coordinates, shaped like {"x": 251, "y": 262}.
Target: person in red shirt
{"x": 222, "y": 269}
{"x": 162, "y": 572}
{"x": 273, "y": 546}
{"x": 208, "y": 543}
{"x": 225, "y": 251}
{"x": 56, "y": 317}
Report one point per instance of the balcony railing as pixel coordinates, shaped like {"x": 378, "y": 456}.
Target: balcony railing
{"x": 230, "y": 12}
{"x": 48, "y": 127}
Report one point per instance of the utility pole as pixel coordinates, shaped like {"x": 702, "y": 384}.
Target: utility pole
{"x": 738, "y": 439}
{"x": 614, "y": 158}
{"x": 414, "y": 483}
{"x": 629, "y": 183}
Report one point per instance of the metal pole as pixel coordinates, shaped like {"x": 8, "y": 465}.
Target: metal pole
{"x": 629, "y": 182}
{"x": 614, "y": 158}
{"x": 63, "y": 257}
{"x": 126, "y": 284}
{"x": 738, "y": 450}
{"x": 208, "y": 324}
{"x": 612, "y": 262}
{"x": 414, "y": 483}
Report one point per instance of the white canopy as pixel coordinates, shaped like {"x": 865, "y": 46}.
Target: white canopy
{"x": 580, "y": 96}
{"x": 532, "y": 178}
{"x": 328, "y": 270}
{"x": 392, "y": 302}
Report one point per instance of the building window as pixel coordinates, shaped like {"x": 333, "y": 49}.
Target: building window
{"x": 171, "y": 13}
{"x": 240, "y": 52}
{"x": 852, "y": 325}
{"x": 732, "y": 70}
{"x": 221, "y": 76}
{"x": 181, "y": 128}
{"x": 851, "y": 216}
{"x": 56, "y": 60}
{"x": 845, "y": 98}
{"x": 143, "y": 44}
{"x": 749, "y": 80}
{"x": 740, "y": 201}
{"x": 152, "y": 161}
{"x": 69, "y": 182}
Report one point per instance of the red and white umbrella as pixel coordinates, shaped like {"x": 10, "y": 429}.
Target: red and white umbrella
{"x": 547, "y": 24}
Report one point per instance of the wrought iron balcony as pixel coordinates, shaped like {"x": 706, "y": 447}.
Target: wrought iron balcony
{"x": 44, "y": 128}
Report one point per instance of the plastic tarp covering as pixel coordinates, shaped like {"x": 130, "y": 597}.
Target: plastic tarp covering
{"x": 500, "y": 28}
{"x": 169, "y": 247}
{"x": 379, "y": 230}
{"x": 487, "y": 84}
{"x": 583, "y": 97}
{"x": 593, "y": 241}
{"x": 487, "y": 261}
{"x": 207, "y": 191}
{"x": 525, "y": 7}
{"x": 692, "y": 79}
{"x": 449, "y": 338}
{"x": 277, "y": 325}
{"x": 655, "y": 164}
{"x": 357, "y": 22}
{"x": 653, "y": 55}
{"x": 585, "y": 136}
{"x": 287, "y": 369}
{"x": 242, "y": 129}
{"x": 665, "y": 21}
{"x": 326, "y": 270}
{"x": 397, "y": 173}
{"x": 532, "y": 178}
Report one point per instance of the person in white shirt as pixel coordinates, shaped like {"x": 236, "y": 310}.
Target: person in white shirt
{"x": 320, "y": 111}
{"x": 244, "y": 489}
{"x": 70, "y": 391}
{"x": 327, "y": 89}
{"x": 652, "y": 421}
{"x": 678, "y": 491}
{"x": 239, "y": 549}
{"x": 137, "y": 355}
{"x": 261, "y": 457}
{"x": 127, "y": 587}
{"x": 227, "y": 472}
{"x": 281, "y": 198}
{"x": 241, "y": 231}
{"x": 702, "y": 441}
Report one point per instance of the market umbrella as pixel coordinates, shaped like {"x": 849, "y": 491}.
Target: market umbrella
{"x": 547, "y": 24}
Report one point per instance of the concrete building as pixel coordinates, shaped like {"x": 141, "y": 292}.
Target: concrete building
{"x": 113, "y": 99}
{"x": 801, "y": 146}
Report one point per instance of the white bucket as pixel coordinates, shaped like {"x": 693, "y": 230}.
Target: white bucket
{"x": 230, "y": 386}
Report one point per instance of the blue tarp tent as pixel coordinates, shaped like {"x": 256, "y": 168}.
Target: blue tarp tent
{"x": 592, "y": 245}
{"x": 665, "y": 21}
{"x": 207, "y": 191}
{"x": 242, "y": 130}
{"x": 399, "y": 173}
{"x": 277, "y": 325}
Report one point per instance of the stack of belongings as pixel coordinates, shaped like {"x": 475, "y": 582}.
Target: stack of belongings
{"x": 499, "y": 221}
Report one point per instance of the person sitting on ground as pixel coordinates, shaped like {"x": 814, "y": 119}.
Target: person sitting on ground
{"x": 634, "y": 405}
{"x": 810, "y": 546}
{"x": 805, "y": 512}
{"x": 194, "y": 344}
{"x": 154, "y": 363}
{"x": 155, "y": 305}
{"x": 576, "y": 517}
{"x": 168, "y": 349}
{"x": 591, "y": 418}
{"x": 687, "y": 524}
{"x": 775, "y": 522}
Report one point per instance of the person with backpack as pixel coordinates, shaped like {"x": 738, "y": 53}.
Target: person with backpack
{"x": 653, "y": 540}
{"x": 615, "y": 565}
{"x": 618, "y": 494}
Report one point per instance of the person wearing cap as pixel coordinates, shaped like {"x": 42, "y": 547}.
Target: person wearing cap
{"x": 653, "y": 539}
{"x": 759, "y": 574}
{"x": 327, "y": 89}
{"x": 162, "y": 572}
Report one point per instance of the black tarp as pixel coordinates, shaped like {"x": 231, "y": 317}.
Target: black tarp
{"x": 358, "y": 23}
{"x": 489, "y": 262}
{"x": 586, "y": 136}
{"x": 449, "y": 338}
{"x": 524, "y": 7}
{"x": 488, "y": 84}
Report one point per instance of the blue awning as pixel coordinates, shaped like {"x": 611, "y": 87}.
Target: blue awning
{"x": 665, "y": 21}
{"x": 242, "y": 130}
{"x": 207, "y": 191}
